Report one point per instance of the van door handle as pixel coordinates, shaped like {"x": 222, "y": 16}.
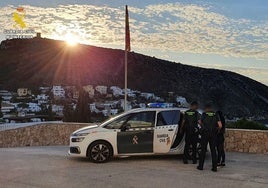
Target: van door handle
{"x": 170, "y": 129}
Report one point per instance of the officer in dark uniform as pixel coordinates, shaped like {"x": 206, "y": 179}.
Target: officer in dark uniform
{"x": 190, "y": 122}
{"x": 220, "y": 141}
{"x": 211, "y": 124}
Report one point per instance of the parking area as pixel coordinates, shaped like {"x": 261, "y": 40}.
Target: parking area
{"x": 52, "y": 167}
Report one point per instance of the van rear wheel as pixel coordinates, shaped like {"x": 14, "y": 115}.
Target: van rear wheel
{"x": 100, "y": 152}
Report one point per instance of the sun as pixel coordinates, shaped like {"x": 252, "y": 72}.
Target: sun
{"x": 71, "y": 39}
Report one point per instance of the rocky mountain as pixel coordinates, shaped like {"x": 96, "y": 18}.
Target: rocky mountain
{"x": 38, "y": 61}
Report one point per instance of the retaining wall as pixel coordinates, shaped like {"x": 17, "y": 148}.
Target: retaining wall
{"x": 249, "y": 141}
{"x": 236, "y": 140}
{"x": 39, "y": 135}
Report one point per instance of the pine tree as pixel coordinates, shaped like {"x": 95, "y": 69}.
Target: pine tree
{"x": 1, "y": 114}
{"x": 51, "y": 116}
{"x": 82, "y": 112}
{"x": 68, "y": 113}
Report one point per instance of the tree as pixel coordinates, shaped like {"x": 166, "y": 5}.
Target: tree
{"x": 82, "y": 111}
{"x": 23, "y": 105}
{"x": 1, "y": 114}
{"x": 51, "y": 115}
{"x": 68, "y": 113}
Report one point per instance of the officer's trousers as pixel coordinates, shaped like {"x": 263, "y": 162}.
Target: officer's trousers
{"x": 190, "y": 139}
{"x": 220, "y": 148}
{"x": 211, "y": 139}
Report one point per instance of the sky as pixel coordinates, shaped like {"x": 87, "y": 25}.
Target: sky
{"x": 223, "y": 34}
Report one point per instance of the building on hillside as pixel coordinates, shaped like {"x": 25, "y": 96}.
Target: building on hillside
{"x": 182, "y": 101}
{"x": 109, "y": 112}
{"x": 93, "y": 108}
{"x": 38, "y": 35}
{"x": 114, "y": 112}
{"x": 6, "y": 95}
{"x": 22, "y": 113}
{"x": 130, "y": 93}
{"x": 44, "y": 89}
{"x": 112, "y": 104}
{"x": 147, "y": 95}
{"x": 58, "y": 91}
{"x": 75, "y": 94}
{"x": 157, "y": 98}
{"x": 142, "y": 105}
{"x": 122, "y": 104}
{"x": 33, "y": 107}
{"x": 116, "y": 91}
{"x": 90, "y": 90}
{"x": 42, "y": 98}
{"x": 109, "y": 96}
{"x": 101, "y": 89}
{"x": 22, "y": 92}
{"x": 58, "y": 109}
{"x": 6, "y": 108}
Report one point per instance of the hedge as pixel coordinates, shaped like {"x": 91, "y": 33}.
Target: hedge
{"x": 246, "y": 124}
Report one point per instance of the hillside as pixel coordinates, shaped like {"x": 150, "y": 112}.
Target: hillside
{"x": 36, "y": 62}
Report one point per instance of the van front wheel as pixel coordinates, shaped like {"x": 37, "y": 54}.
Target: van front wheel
{"x": 99, "y": 152}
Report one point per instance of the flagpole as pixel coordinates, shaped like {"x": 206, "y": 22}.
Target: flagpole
{"x": 125, "y": 101}
{"x": 127, "y": 49}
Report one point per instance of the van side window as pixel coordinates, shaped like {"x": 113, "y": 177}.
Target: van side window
{"x": 117, "y": 124}
{"x": 171, "y": 117}
{"x": 142, "y": 119}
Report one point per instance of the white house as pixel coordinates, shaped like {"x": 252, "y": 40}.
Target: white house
{"x": 105, "y": 112}
{"x": 58, "y": 91}
{"x": 6, "y": 107}
{"x": 58, "y": 109}
{"x": 90, "y": 90}
{"x": 114, "y": 111}
{"x": 101, "y": 89}
{"x": 22, "y": 92}
{"x": 75, "y": 94}
{"x": 33, "y": 107}
{"x": 93, "y": 108}
{"x": 130, "y": 93}
{"x": 142, "y": 105}
{"x": 6, "y": 95}
{"x": 148, "y": 95}
{"x": 44, "y": 89}
{"x": 42, "y": 98}
{"x": 117, "y": 91}
{"x": 182, "y": 101}
{"x": 109, "y": 112}
{"x": 122, "y": 104}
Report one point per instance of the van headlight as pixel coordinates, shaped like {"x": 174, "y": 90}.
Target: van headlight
{"x": 78, "y": 139}
{"x": 80, "y": 133}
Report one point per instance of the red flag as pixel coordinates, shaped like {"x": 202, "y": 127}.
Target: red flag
{"x": 127, "y": 39}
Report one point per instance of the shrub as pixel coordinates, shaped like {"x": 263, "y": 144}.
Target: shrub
{"x": 246, "y": 124}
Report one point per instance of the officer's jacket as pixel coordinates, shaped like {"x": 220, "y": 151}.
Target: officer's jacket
{"x": 210, "y": 122}
{"x": 191, "y": 118}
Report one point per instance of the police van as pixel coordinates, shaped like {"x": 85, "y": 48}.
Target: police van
{"x": 145, "y": 131}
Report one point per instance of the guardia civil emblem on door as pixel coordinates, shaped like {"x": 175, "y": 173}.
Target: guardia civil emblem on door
{"x": 135, "y": 140}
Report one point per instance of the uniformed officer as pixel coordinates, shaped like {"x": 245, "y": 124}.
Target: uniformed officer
{"x": 211, "y": 124}
{"x": 220, "y": 141}
{"x": 190, "y": 122}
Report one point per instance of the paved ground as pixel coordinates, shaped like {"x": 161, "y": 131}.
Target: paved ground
{"x": 52, "y": 167}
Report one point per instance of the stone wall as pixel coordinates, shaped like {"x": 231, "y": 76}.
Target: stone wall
{"x": 39, "y": 135}
{"x": 236, "y": 140}
{"x": 249, "y": 141}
